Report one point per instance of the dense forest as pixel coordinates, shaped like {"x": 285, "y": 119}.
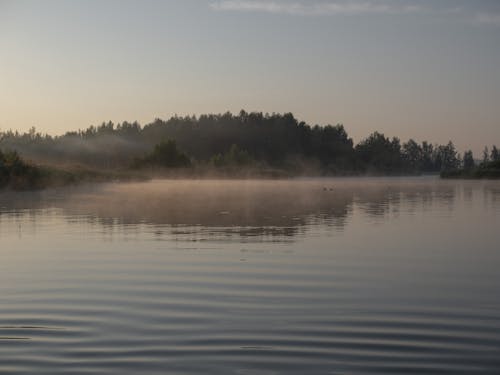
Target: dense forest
{"x": 275, "y": 141}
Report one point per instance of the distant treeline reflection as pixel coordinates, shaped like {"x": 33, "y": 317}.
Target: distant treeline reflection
{"x": 208, "y": 209}
{"x": 260, "y": 141}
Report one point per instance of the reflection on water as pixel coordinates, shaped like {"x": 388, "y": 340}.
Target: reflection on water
{"x": 246, "y": 208}
{"x": 369, "y": 275}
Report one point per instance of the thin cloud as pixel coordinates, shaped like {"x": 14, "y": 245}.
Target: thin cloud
{"x": 492, "y": 19}
{"x": 480, "y": 13}
{"x": 315, "y": 8}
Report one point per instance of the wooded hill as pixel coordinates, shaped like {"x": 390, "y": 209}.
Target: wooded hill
{"x": 220, "y": 140}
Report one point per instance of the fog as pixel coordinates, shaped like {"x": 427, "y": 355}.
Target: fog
{"x": 243, "y": 207}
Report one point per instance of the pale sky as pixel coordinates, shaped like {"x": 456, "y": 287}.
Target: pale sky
{"x": 429, "y": 70}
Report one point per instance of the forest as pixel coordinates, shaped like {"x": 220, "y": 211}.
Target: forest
{"x": 226, "y": 142}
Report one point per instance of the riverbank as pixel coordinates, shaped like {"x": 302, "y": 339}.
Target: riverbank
{"x": 489, "y": 170}
{"x": 19, "y": 174}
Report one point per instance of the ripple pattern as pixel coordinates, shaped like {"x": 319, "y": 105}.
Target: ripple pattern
{"x": 413, "y": 291}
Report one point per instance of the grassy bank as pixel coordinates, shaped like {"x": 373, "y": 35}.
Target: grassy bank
{"x": 489, "y": 170}
{"x": 19, "y": 174}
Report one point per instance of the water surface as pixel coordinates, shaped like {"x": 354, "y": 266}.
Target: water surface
{"x": 321, "y": 276}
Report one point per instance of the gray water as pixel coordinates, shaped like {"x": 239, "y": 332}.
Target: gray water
{"x": 326, "y": 276}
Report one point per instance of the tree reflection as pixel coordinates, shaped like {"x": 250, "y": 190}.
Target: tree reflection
{"x": 253, "y": 210}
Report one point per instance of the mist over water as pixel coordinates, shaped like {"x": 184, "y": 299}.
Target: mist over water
{"x": 362, "y": 275}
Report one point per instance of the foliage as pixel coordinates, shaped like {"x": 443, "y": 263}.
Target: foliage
{"x": 165, "y": 154}
{"x": 486, "y": 155}
{"x": 234, "y": 157}
{"x": 490, "y": 169}
{"x": 380, "y": 153}
{"x": 447, "y": 157}
{"x": 495, "y": 155}
{"x": 468, "y": 162}
{"x": 16, "y": 173}
{"x": 274, "y": 141}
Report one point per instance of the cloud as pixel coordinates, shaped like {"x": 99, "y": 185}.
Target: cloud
{"x": 315, "y": 7}
{"x": 483, "y": 13}
{"x": 492, "y": 19}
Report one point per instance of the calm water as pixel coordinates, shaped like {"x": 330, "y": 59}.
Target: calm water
{"x": 342, "y": 276}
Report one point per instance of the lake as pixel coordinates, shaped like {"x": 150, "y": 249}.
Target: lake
{"x": 311, "y": 276}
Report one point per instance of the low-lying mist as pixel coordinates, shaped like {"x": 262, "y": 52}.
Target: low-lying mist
{"x": 247, "y": 207}
{"x": 229, "y": 143}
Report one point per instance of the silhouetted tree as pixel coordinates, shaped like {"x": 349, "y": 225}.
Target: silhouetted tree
{"x": 486, "y": 155}
{"x": 380, "y": 154}
{"x": 16, "y": 173}
{"x": 468, "y": 161}
{"x": 494, "y": 153}
{"x": 165, "y": 154}
{"x": 234, "y": 157}
{"x": 276, "y": 140}
{"x": 413, "y": 156}
{"x": 447, "y": 157}
{"x": 428, "y": 160}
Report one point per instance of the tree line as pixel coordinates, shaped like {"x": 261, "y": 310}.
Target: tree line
{"x": 220, "y": 140}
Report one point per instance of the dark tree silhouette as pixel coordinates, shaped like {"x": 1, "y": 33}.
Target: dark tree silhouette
{"x": 486, "y": 155}
{"x": 380, "y": 153}
{"x": 413, "y": 156}
{"x": 468, "y": 162}
{"x": 268, "y": 140}
{"x": 494, "y": 153}
{"x": 234, "y": 157}
{"x": 165, "y": 154}
{"x": 447, "y": 157}
{"x": 16, "y": 173}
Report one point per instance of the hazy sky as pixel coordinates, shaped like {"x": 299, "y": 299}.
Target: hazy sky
{"x": 421, "y": 69}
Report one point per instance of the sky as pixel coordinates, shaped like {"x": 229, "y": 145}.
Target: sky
{"x": 428, "y": 70}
